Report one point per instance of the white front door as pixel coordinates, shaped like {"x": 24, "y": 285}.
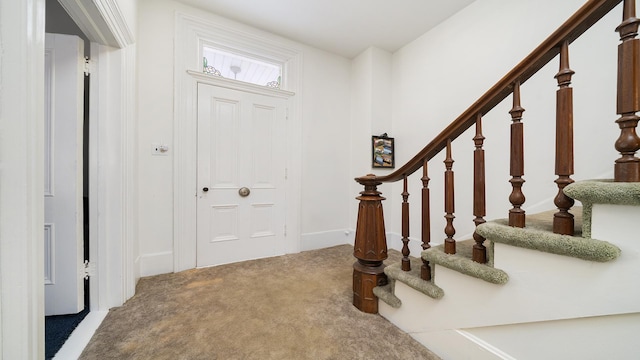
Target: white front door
{"x": 241, "y": 176}
{"x": 64, "y": 250}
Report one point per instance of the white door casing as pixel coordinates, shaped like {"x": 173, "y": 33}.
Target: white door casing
{"x": 22, "y": 32}
{"x": 240, "y": 146}
{"x": 64, "y": 251}
{"x": 191, "y": 33}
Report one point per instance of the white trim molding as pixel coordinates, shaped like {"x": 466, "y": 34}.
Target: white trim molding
{"x": 49, "y": 254}
{"x": 325, "y": 239}
{"x": 203, "y": 78}
{"x": 155, "y": 263}
{"x": 101, "y": 20}
{"x": 22, "y": 179}
{"x": 191, "y": 33}
{"x": 112, "y": 200}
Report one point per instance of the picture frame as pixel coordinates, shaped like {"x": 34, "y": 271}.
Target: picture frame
{"x": 382, "y": 151}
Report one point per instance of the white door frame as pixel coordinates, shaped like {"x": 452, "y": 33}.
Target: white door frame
{"x": 22, "y": 179}
{"x": 21, "y": 163}
{"x": 191, "y": 33}
{"x": 112, "y": 136}
{"x": 112, "y": 177}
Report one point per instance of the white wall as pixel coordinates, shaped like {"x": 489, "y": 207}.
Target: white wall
{"x": 325, "y": 115}
{"x": 325, "y": 141}
{"x": 370, "y": 115}
{"x": 439, "y": 75}
{"x": 129, "y": 10}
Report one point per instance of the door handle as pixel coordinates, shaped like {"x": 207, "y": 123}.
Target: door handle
{"x": 244, "y": 191}
{"x": 205, "y": 189}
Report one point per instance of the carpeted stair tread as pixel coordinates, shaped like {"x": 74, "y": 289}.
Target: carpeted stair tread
{"x": 591, "y": 192}
{"x": 386, "y": 294}
{"x": 604, "y": 192}
{"x": 537, "y": 235}
{"x": 412, "y": 278}
{"x": 544, "y": 220}
{"x": 461, "y": 262}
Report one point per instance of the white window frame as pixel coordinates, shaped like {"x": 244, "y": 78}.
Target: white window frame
{"x": 249, "y": 57}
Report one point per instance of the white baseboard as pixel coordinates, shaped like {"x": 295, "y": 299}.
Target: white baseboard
{"x": 80, "y": 337}
{"x": 156, "y": 263}
{"x": 324, "y": 239}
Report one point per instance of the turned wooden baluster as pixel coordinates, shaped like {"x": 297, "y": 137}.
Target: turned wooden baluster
{"x": 479, "y": 196}
{"x": 517, "y": 214}
{"x": 425, "y": 269}
{"x": 449, "y": 206}
{"x": 627, "y": 167}
{"x": 406, "y": 263}
{"x": 563, "y": 219}
{"x": 370, "y": 246}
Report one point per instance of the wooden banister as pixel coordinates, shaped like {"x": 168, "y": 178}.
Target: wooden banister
{"x": 370, "y": 244}
{"x": 516, "y": 214}
{"x": 479, "y": 196}
{"x": 563, "y": 220}
{"x": 449, "y": 203}
{"x": 576, "y": 25}
{"x": 406, "y": 262}
{"x": 627, "y": 167}
{"x": 425, "y": 269}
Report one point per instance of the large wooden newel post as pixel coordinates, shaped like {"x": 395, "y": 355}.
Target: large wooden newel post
{"x": 370, "y": 246}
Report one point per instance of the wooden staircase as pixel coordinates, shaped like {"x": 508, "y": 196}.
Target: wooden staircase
{"x": 536, "y": 294}
{"x": 556, "y": 278}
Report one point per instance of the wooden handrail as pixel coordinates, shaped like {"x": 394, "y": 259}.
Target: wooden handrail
{"x": 570, "y": 30}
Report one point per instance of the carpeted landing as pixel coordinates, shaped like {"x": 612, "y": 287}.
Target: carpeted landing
{"x": 288, "y": 307}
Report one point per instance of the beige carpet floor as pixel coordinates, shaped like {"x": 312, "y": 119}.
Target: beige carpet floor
{"x": 288, "y": 307}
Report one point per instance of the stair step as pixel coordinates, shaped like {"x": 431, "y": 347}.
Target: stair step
{"x": 592, "y": 192}
{"x": 412, "y": 278}
{"x": 537, "y": 236}
{"x": 386, "y": 294}
{"x": 605, "y": 192}
{"x": 461, "y": 262}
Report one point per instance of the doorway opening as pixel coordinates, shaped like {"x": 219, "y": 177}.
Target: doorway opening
{"x": 58, "y": 328}
{"x": 193, "y": 36}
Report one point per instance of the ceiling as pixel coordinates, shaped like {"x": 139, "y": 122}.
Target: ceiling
{"x": 343, "y": 27}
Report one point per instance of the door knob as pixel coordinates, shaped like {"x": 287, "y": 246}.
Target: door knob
{"x": 205, "y": 189}
{"x": 244, "y": 191}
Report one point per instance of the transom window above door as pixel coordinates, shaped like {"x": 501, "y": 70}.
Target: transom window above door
{"x": 233, "y": 66}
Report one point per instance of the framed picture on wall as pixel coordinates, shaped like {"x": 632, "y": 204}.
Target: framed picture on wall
{"x": 382, "y": 151}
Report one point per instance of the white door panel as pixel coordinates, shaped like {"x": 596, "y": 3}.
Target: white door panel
{"x": 240, "y": 145}
{"x": 64, "y": 252}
